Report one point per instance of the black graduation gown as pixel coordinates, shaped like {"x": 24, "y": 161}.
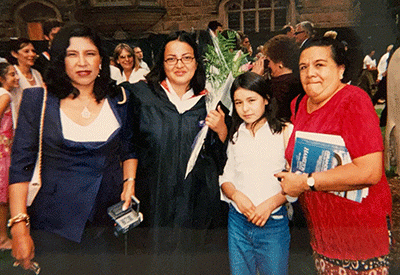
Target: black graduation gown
{"x": 161, "y": 139}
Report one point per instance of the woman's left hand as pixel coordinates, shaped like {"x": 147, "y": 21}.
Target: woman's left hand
{"x": 216, "y": 121}
{"x": 127, "y": 192}
{"x": 293, "y": 184}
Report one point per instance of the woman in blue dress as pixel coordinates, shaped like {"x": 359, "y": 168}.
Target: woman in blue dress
{"x": 81, "y": 171}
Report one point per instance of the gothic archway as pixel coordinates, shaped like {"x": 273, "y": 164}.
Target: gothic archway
{"x": 28, "y": 23}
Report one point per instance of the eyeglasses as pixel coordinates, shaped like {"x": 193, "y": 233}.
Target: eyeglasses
{"x": 125, "y": 56}
{"x": 296, "y": 33}
{"x": 173, "y": 60}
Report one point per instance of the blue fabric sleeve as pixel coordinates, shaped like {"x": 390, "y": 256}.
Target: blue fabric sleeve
{"x": 128, "y": 131}
{"x": 26, "y": 140}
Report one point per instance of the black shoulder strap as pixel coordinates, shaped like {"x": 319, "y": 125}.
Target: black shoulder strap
{"x": 298, "y": 100}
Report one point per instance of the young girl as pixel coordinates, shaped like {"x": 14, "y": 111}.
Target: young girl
{"x": 9, "y": 80}
{"x": 258, "y": 230}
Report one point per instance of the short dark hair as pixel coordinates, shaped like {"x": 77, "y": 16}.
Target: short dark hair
{"x": 56, "y": 78}
{"x": 50, "y": 24}
{"x": 213, "y": 25}
{"x": 282, "y": 48}
{"x": 256, "y": 83}
{"x": 15, "y": 46}
{"x": 338, "y": 52}
{"x": 157, "y": 73}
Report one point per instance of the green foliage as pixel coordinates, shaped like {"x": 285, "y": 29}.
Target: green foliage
{"x": 220, "y": 64}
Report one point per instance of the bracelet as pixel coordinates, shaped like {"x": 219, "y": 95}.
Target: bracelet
{"x": 128, "y": 179}
{"x": 21, "y": 217}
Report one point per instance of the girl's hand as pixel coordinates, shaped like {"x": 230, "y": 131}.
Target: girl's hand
{"x": 23, "y": 249}
{"x": 127, "y": 192}
{"x": 293, "y": 184}
{"x": 216, "y": 121}
{"x": 244, "y": 204}
{"x": 261, "y": 213}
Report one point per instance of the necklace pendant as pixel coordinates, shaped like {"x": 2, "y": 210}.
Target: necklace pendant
{"x": 85, "y": 113}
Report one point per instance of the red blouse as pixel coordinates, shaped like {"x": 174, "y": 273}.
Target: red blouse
{"x": 341, "y": 228}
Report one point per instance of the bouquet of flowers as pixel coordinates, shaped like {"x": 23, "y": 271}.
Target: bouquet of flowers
{"x": 222, "y": 63}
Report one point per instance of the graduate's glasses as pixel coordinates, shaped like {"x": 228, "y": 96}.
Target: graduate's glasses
{"x": 173, "y": 60}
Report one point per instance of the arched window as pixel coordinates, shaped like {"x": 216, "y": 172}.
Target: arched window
{"x": 257, "y": 15}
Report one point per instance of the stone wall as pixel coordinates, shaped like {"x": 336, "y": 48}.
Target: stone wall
{"x": 184, "y": 15}
{"x": 328, "y": 13}
{"x": 187, "y": 15}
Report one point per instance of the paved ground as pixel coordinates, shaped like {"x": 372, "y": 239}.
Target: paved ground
{"x": 209, "y": 261}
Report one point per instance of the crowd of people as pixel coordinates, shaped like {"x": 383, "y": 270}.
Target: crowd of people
{"x": 108, "y": 131}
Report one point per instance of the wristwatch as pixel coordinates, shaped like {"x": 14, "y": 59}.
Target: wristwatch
{"x": 311, "y": 182}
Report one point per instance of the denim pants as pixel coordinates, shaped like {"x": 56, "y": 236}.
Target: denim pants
{"x": 255, "y": 249}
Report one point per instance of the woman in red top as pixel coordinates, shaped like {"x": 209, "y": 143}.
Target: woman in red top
{"x": 347, "y": 237}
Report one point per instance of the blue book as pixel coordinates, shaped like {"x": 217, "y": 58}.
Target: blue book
{"x": 314, "y": 152}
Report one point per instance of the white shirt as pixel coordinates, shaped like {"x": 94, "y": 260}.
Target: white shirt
{"x": 17, "y": 92}
{"x": 135, "y": 76}
{"x": 183, "y": 104}
{"x": 144, "y": 65}
{"x": 368, "y": 61}
{"x": 5, "y": 92}
{"x": 252, "y": 163}
{"x": 99, "y": 130}
{"x": 115, "y": 73}
{"x": 382, "y": 65}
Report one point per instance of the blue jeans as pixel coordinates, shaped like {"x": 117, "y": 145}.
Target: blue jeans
{"x": 253, "y": 248}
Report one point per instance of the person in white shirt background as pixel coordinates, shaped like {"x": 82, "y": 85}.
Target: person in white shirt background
{"x": 368, "y": 77}
{"x": 258, "y": 229}
{"x": 23, "y": 57}
{"x": 383, "y": 63}
{"x": 139, "y": 55}
{"x": 128, "y": 64}
{"x": 368, "y": 62}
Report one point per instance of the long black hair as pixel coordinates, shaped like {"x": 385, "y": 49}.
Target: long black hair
{"x": 157, "y": 73}
{"x": 256, "y": 83}
{"x": 56, "y": 78}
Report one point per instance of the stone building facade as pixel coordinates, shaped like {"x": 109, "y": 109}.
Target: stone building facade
{"x": 358, "y": 21}
{"x": 135, "y": 17}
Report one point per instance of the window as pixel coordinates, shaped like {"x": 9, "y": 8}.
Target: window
{"x": 257, "y": 15}
{"x": 120, "y": 3}
{"x": 108, "y": 3}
